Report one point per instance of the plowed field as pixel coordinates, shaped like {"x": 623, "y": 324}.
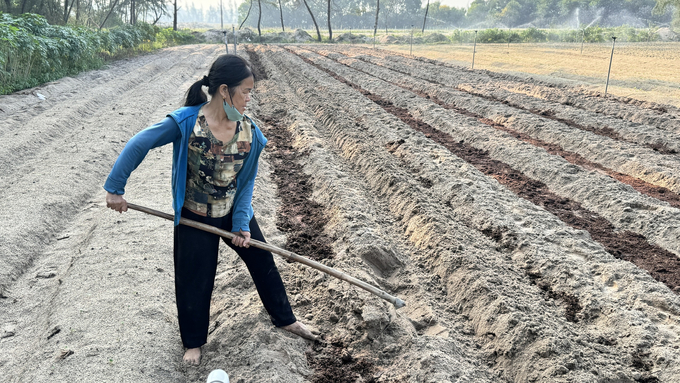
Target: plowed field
{"x": 533, "y": 230}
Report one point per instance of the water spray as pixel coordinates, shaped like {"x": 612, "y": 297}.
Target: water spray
{"x": 474, "y": 50}
{"x": 411, "y": 39}
{"x": 610, "y": 65}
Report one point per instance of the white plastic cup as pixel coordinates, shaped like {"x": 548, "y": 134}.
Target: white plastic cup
{"x": 218, "y": 376}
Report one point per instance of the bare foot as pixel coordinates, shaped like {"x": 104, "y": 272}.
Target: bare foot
{"x": 300, "y": 329}
{"x": 192, "y": 356}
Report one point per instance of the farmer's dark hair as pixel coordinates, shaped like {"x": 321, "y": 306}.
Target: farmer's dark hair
{"x": 230, "y": 70}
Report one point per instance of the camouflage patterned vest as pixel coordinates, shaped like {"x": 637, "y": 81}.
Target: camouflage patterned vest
{"x": 213, "y": 166}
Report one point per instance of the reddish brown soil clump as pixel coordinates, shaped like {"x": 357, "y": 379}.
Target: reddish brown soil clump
{"x": 302, "y": 219}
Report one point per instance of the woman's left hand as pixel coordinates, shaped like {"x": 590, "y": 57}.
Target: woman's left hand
{"x": 242, "y": 239}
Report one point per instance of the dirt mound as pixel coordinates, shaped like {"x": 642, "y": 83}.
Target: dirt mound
{"x": 351, "y": 38}
{"x": 301, "y": 36}
{"x": 435, "y": 38}
{"x": 666, "y": 34}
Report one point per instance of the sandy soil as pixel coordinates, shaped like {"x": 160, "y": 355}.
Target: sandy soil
{"x": 531, "y": 237}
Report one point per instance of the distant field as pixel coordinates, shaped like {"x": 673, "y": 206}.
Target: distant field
{"x": 646, "y": 71}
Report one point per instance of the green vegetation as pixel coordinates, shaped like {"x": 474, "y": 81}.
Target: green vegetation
{"x": 484, "y": 36}
{"x": 33, "y": 52}
{"x": 535, "y": 35}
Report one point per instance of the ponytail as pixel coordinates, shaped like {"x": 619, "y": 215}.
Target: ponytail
{"x": 195, "y": 95}
{"x": 229, "y": 70}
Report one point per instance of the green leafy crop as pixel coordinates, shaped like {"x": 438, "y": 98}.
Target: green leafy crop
{"x": 33, "y": 52}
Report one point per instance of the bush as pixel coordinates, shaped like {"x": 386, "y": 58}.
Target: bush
{"x": 494, "y": 35}
{"x": 533, "y": 35}
{"x": 33, "y": 52}
{"x": 463, "y": 36}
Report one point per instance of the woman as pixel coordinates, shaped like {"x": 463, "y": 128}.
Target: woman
{"x": 215, "y": 157}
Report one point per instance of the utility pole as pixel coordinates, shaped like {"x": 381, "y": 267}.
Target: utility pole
{"x": 233, "y": 31}
{"x": 474, "y": 50}
{"x": 222, "y": 23}
{"x": 610, "y": 66}
{"x": 583, "y": 37}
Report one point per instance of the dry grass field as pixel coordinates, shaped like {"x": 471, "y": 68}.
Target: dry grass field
{"x": 646, "y": 71}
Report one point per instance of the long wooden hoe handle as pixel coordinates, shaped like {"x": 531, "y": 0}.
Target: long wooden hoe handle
{"x": 284, "y": 253}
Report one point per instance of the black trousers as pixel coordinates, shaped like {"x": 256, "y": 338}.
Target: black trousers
{"x": 195, "y": 256}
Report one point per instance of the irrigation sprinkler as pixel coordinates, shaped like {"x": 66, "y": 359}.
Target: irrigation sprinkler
{"x": 474, "y": 50}
{"x": 226, "y": 41}
{"x": 411, "y": 39}
{"x": 233, "y": 31}
{"x": 583, "y": 37}
{"x": 610, "y": 65}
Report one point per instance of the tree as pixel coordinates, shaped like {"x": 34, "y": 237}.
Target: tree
{"x": 281, "y": 12}
{"x": 113, "y": 6}
{"x": 318, "y": 34}
{"x": 259, "y": 19}
{"x": 330, "y": 31}
{"x": 377, "y": 10}
{"x": 248, "y": 14}
{"x": 478, "y": 11}
{"x": 662, "y": 6}
{"x": 174, "y": 18}
{"x": 427, "y": 8}
{"x": 511, "y": 14}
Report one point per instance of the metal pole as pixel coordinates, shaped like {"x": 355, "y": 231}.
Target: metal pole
{"x": 284, "y": 253}
{"x": 474, "y": 50}
{"x": 226, "y": 41}
{"x": 583, "y": 37}
{"x": 411, "y": 39}
{"x": 508, "y": 40}
{"x": 233, "y": 31}
{"x": 610, "y": 66}
{"x": 222, "y": 19}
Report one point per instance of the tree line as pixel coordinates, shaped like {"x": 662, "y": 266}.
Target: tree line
{"x": 404, "y": 14}
{"x": 91, "y": 13}
{"x": 359, "y": 14}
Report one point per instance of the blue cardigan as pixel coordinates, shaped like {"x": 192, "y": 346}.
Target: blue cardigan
{"x": 177, "y": 128}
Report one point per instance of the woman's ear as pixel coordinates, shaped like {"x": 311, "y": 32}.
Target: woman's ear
{"x": 224, "y": 91}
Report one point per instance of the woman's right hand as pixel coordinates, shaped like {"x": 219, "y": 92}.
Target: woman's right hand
{"x": 116, "y": 202}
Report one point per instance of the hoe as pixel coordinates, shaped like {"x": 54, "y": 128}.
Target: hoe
{"x": 284, "y": 253}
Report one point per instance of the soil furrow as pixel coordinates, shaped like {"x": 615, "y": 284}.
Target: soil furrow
{"x": 21, "y": 106}
{"x": 662, "y": 265}
{"x": 100, "y": 297}
{"x": 57, "y": 129}
{"x": 616, "y": 202}
{"x": 460, "y": 216}
{"x": 632, "y": 133}
{"x": 367, "y": 244}
{"x": 83, "y": 169}
{"x": 660, "y": 193}
{"x": 627, "y": 158}
{"x": 302, "y": 219}
{"x": 378, "y": 128}
{"x": 662, "y": 116}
